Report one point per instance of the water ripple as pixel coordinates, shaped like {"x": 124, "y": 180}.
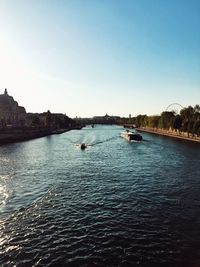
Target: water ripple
{"x": 116, "y": 204}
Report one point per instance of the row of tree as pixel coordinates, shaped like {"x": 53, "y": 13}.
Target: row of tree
{"x": 187, "y": 121}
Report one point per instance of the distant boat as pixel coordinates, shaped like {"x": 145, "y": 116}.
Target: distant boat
{"x": 83, "y": 146}
{"x": 130, "y": 136}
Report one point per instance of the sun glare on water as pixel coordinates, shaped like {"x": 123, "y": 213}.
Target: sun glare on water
{"x": 3, "y": 195}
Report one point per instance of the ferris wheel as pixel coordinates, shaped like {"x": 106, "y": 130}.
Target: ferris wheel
{"x": 174, "y": 107}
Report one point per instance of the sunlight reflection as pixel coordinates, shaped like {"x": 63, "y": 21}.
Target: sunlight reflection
{"x": 14, "y": 247}
{"x": 3, "y": 195}
{"x": 4, "y": 160}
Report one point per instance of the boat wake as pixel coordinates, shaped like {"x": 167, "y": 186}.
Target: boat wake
{"x": 105, "y": 141}
{"x": 83, "y": 146}
{"x": 89, "y": 145}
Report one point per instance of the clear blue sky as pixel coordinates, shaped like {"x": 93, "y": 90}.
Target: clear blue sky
{"x": 92, "y": 57}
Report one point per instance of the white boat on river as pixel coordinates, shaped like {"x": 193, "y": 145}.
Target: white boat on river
{"x": 131, "y": 136}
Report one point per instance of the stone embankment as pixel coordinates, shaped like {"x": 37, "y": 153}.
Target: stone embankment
{"x": 23, "y": 134}
{"x": 170, "y": 133}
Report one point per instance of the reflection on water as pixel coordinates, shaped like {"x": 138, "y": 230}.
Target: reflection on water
{"x": 114, "y": 204}
{"x": 3, "y": 195}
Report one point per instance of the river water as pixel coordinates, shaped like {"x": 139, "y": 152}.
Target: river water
{"x": 114, "y": 204}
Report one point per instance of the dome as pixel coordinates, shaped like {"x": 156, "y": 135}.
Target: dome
{"x": 7, "y": 100}
{"x": 10, "y": 112}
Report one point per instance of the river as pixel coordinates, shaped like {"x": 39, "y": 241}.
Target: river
{"x": 113, "y": 204}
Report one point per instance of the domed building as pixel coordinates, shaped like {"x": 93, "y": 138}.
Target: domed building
{"x": 11, "y": 114}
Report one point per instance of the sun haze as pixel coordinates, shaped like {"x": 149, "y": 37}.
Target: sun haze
{"x": 87, "y": 58}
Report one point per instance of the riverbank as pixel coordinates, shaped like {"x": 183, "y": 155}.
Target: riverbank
{"x": 23, "y": 134}
{"x": 169, "y": 133}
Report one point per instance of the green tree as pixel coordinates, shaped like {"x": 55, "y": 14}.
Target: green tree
{"x": 153, "y": 121}
{"x": 165, "y": 121}
{"x": 177, "y": 122}
{"x": 197, "y": 112}
{"x": 187, "y": 115}
{"x": 196, "y": 128}
{"x": 190, "y": 128}
{"x": 138, "y": 121}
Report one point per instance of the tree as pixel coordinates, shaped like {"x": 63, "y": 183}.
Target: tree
{"x": 165, "y": 121}
{"x": 177, "y": 122}
{"x": 187, "y": 115}
{"x": 138, "y": 121}
{"x": 196, "y": 128}
{"x": 197, "y": 112}
{"x": 153, "y": 121}
{"x": 190, "y": 127}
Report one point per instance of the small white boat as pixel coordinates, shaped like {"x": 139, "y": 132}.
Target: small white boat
{"x": 130, "y": 136}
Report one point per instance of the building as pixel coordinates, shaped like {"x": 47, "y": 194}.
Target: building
{"x": 105, "y": 119}
{"x": 11, "y": 114}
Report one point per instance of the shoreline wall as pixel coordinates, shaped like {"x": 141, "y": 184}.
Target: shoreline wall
{"x": 23, "y": 134}
{"x": 170, "y": 133}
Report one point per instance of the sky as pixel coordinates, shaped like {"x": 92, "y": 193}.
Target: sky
{"x": 91, "y": 57}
